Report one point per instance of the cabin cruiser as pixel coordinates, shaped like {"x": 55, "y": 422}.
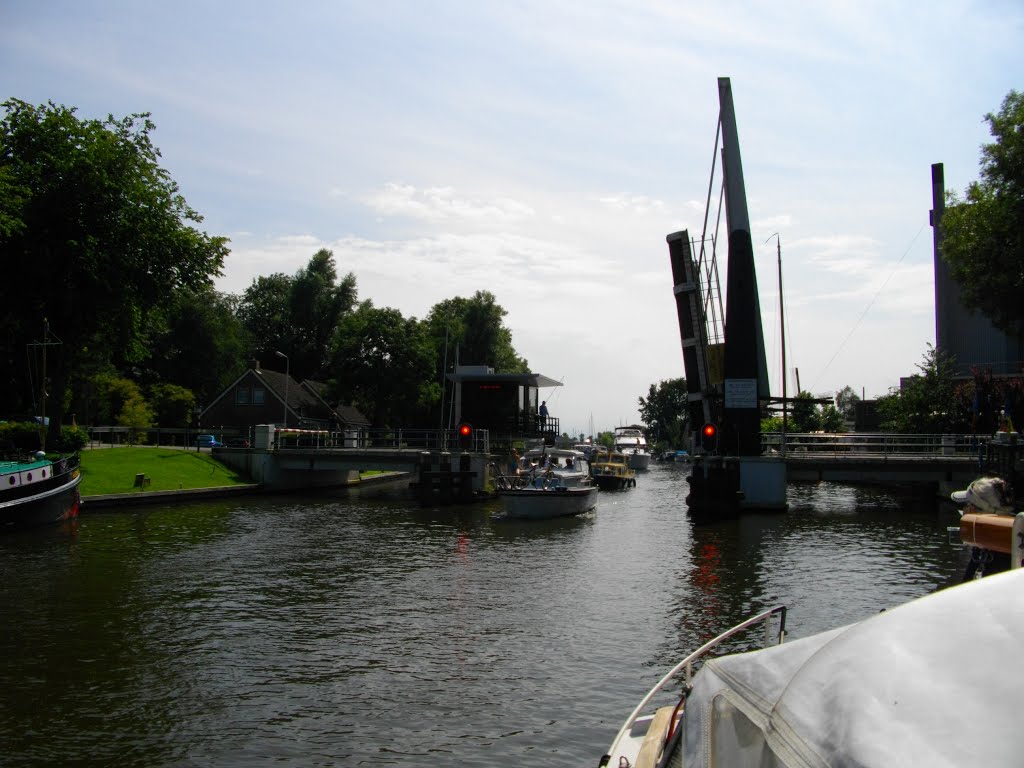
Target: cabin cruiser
{"x": 612, "y": 472}
{"x": 631, "y": 442}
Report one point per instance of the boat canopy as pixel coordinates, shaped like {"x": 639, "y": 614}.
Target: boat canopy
{"x": 929, "y": 683}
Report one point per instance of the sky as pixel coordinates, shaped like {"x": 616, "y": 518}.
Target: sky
{"x": 543, "y": 150}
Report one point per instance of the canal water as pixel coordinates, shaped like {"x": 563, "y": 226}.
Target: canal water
{"x": 365, "y": 630}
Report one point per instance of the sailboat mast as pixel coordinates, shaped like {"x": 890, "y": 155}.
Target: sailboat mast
{"x": 43, "y": 426}
{"x": 782, "y": 325}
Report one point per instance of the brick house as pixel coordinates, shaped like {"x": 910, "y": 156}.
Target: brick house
{"x": 258, "y": 397}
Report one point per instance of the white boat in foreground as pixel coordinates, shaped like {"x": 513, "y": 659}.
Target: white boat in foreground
{"x": 551, "y": 482}
{"x": 631, "y": 442}
{"x": 928, "y": 683}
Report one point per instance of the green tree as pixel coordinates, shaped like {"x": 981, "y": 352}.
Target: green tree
{"x": 805, "y": 416}
{"x": 316, "y": 304}
{"x": 137, "y": 416}
{"x": 93, "y": 233}
{"x": 830, "y": 419}
{"x": 173, "y": 406}
{"x": 297, "y": 315}
{"x": 111, "y": 393}
{"x": 664, "y": 412}
{"x": 476, "y": 327}
{"x": 846, "y": 402}
{"x": 983, "y": 235}
{"x": 383, "y": 363}
{"x": 263, "y": 311}
{"x": 198, "y": 343}
{"x": 929, "y": 402}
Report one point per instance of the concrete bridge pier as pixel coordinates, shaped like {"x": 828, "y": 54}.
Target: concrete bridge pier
{"x": 444, "y": 485}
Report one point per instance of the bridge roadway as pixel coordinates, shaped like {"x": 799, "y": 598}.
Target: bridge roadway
{"x": 355, "y": 459}
{"x": 883, "y": 468}
{"x": 326, "y": 467}
{"x": 942, "y": 461}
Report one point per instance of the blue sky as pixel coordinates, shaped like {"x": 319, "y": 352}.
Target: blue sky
{"x": 543, "y": 150}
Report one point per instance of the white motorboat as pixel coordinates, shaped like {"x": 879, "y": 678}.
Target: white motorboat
{"x": 631, "y": 442}
{"x": 550, "y": 482}
{"x": 928, "y": 683}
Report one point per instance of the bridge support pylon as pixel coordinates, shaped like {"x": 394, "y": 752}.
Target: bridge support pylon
{"x": 444, "y": 485}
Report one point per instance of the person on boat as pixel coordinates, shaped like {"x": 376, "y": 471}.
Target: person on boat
{"x": 986, "y": 495}
{"x": 513, "y": 463}
{"x": 543, "y": 413}
{"x": 568, "y": 462}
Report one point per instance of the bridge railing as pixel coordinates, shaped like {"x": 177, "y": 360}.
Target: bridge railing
{"x": 382, "y": 438}
{"x": 875, "y": 444}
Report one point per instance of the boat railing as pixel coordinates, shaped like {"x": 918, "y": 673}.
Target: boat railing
{"x": 686, "y": 666}
{"x": 532, "y": 477}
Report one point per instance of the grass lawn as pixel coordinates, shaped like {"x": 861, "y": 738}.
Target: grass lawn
{"x": 113, "y": 470}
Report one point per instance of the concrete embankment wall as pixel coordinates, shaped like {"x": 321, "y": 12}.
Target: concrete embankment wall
{"x": 141, "y": 498}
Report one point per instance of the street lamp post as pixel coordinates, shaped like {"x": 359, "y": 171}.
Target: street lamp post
{"x": 287, "y": 378}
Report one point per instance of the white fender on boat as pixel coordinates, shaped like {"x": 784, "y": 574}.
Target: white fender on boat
{"x": 1017, "y": 542}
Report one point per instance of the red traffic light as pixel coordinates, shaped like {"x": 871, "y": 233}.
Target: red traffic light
{"x": 464, "y": 435}
{"x": 709, "y": 437}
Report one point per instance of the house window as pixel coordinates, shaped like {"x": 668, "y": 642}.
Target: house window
{"x": 258, "y": 394}
{"x": 242, "y": 396}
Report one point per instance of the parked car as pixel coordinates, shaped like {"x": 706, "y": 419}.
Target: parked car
{"x": 208, "y": 441}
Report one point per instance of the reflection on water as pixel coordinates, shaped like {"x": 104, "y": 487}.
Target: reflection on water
{"x": 363, "y": 628}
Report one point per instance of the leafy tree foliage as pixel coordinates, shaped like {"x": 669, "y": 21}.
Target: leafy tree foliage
{"x": 197, "y": 343}
{"x": 137, "y": 415}
{"x": 383, "y": 363}
{"x": 94, "y": 235}
{"x": 983, "y": 235}
{"x": 831, "y": 420}
{"x": 805, "y": 416}
{"x": 846, "y": 402}
{"x": 664, "y": 412}
{"x": 317, "y": 302}
{"x": 173, "y": 406}
{"x": 476, "y": 327}
{"x": 297, "y": 315}
{"x": 111, "y": 394}
{"x": 263, "y": 311}
{"x": 930, "y": 402}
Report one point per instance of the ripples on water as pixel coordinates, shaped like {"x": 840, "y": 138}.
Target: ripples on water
{"x": 366, "y": 630}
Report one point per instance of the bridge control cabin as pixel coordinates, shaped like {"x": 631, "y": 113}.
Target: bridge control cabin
{"x": 505, "y": 404}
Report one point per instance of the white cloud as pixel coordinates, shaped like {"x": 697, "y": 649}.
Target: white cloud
{"x": 442, "y": 203}
{"x": 637, "y": 204}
